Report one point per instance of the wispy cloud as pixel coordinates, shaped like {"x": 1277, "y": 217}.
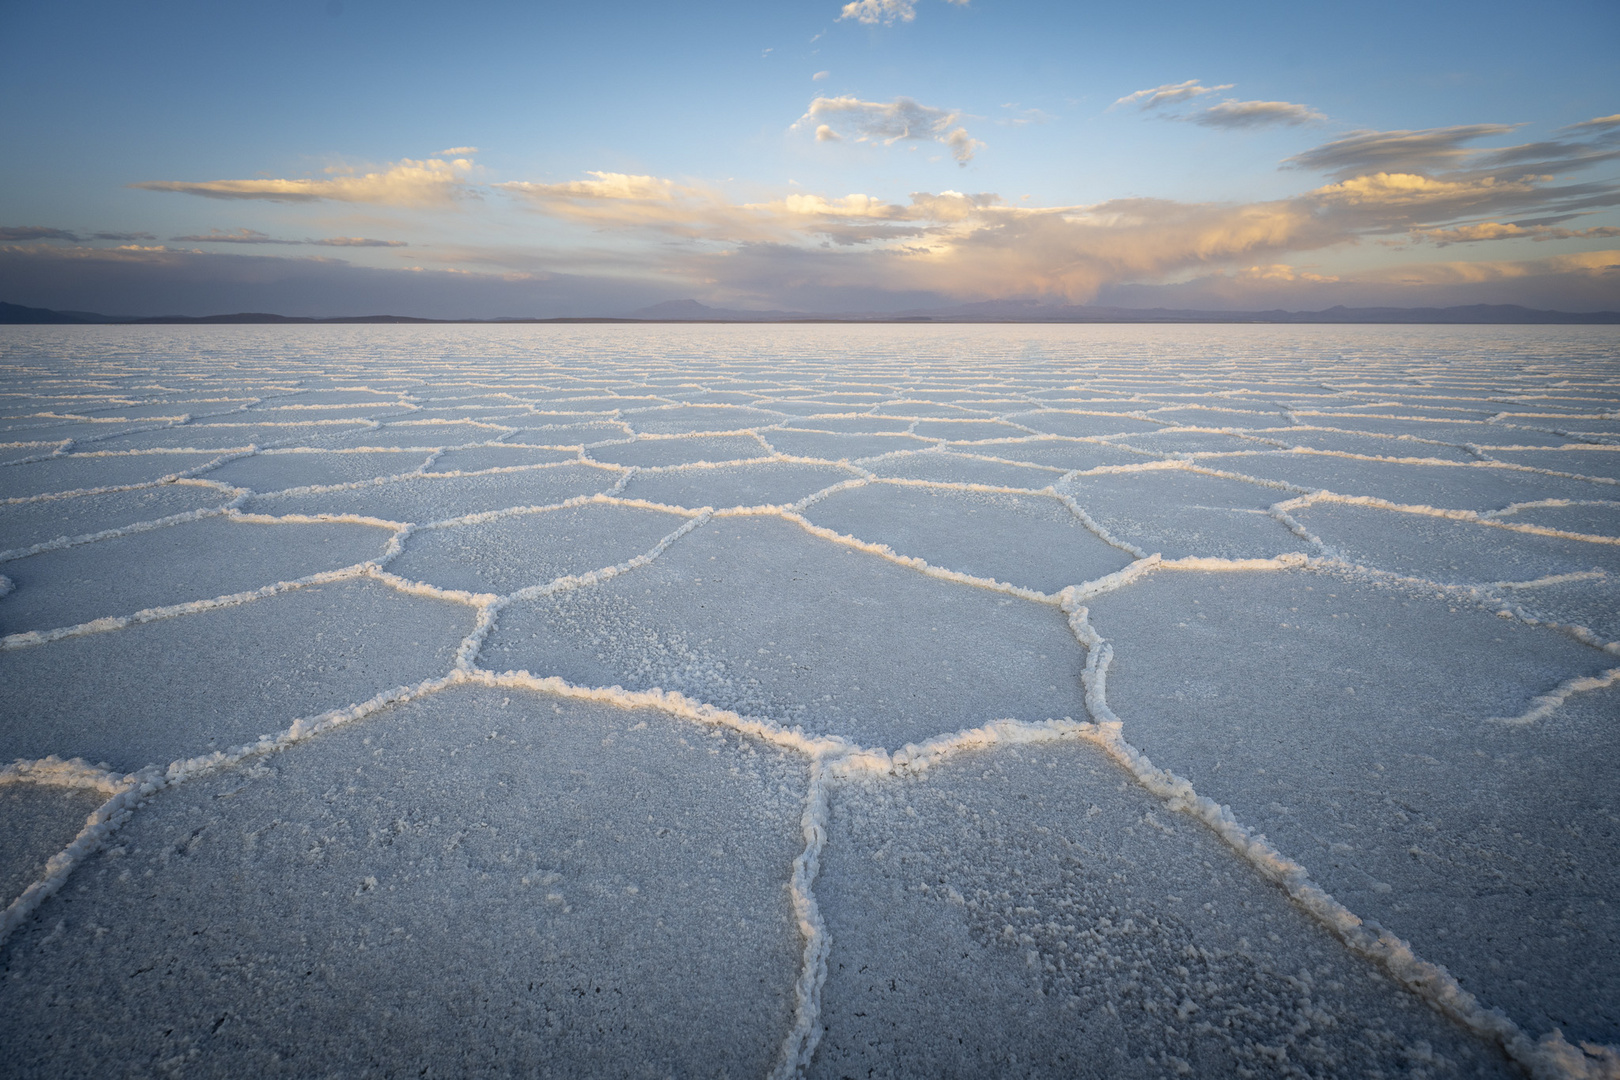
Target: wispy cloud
{"x": 124, "y": 236}
{"x": 28, "y": 234}
{"x": 1168, "y": 94}
{"x": 430, "y": 182}
{"x": 457, "y": 151}
{"x": 1597, "y": 123}
{"x": 356, "y": 242}
{"x": 1496, "y": 230}
{"x": 1253, "y": 114}
{"x": 237, "y": 236}
{"x": 820, "y": 76}
{"x": 889, "y": 123}
{"x": 1425, "y": 151}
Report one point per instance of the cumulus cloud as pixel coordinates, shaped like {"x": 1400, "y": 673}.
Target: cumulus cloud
{"x": 237, "y": 236}
{"x": 1169, "y": 94}
{"x": 884, "y": 12}
{"x": 430, "y": 182}
{"x": 27, "y": 234}
{"x": 1252, "y": 114}
{"x": 890, "y": 122}
{"x": 1496, "y": 230}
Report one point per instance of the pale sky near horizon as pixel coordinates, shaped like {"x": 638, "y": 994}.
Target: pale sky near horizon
{"x": 324, "y": 157}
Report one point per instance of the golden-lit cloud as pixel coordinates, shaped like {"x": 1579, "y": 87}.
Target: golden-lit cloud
{"x": 1496, "y": 230}
{"x": 411, "y": 183}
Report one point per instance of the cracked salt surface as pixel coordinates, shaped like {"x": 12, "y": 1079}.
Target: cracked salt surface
{"x": 745, "y": 700}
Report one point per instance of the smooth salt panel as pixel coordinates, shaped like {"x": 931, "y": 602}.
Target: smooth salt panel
{"x": 1064, "y": 454}
{"x": 1178, "y": 513}
{"x": 946, "y": 467}
{"x": 1369, "y": 445}
{"x": 1585, "y": 461}
{"x": 480, "y": 882}
{"x": 681, "y": 451}
{"x": 1589, "y": 601}
{"x": 279, "y": 471}
{"x": 830, "y": 447}
{"x": 1358, "y": 727}
{"x": 851, "y": 425}
{"x": 176, "y": 688}
{"x": 79, "y": 472}
{"x": 39, "y": 821}
{"x": 1477, "y": 486}
{"x": 737, "y": 613}
{"x": 511, "y": 553}
{"x": 25, "y": 524}
{"x": 175, "y": 564}
{"x": 1595, "y": 518}
{"x": 408, "y": 434}
{"x": 763, "y": 484}
{"x": 1082, "y": 423}
{"x": 434, "y": 498}
{"x": 477, "y": 458}
{"x": 679, "y": 419}
{"x": 965, "y": 430}
{"x": 1193, "y": 442}
{"x": 1031, "y": 911}
{"x": 231, "y": 436}
{"x": 1449, "y": 551}
{"x": 1024, "y": 540}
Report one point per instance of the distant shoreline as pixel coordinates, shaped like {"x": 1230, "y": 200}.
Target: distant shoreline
{"x": 1470, "y": 315}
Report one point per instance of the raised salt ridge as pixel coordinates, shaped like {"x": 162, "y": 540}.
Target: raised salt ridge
{"x": 1126, "y": 701}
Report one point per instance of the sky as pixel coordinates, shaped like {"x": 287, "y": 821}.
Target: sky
{"x": 479, "y": 160}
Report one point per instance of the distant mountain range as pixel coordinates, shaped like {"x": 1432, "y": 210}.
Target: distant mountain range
{"x": 994, "y": 311}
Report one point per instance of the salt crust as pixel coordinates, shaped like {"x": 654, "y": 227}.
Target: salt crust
{"x": 834, "y": 759}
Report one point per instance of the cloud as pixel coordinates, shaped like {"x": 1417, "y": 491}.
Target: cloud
{"x": 891, "y": 122}
{"x": 122, "y": 236}
{"x": 432, "y": 182}
{"x": 820, "y": 75}
{"x": 1168, "y": 94}
{"x": 824, "y": 133}
{"x": 1420, "y": 152}
{"x": 1251, "y": 114}
{"x": 239, "y": 236}
{"x": 356, "y": 241}
{"x": 1599, "y": 123}
{"x": 26, "y": 234}
{"x": 885, "y": 12}
{"x": 1495, "y": 230}
{"x": 457, "y": 151}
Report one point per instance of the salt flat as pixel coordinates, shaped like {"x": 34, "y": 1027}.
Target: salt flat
{"x": 832, "y": 701}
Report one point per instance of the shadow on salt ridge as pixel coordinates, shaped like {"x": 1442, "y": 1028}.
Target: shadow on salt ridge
{"x": 499, "y": 456}
{"x": 829, "y": 447}
{"x": 175, "y": 564}
{"x": 25, "y": 524}
{"x": 1353, "y": 725}
{"x": 737, "y": 614}
{"x": 473, "y": 883}
{"x": 76, "y": 472}
{"x": 1031, "y": 912}
{"x": 155, "y": 692}
{"x": 41, "y": 820}
{"x": 277, "y": 472}
{"x": 1452, "y": 487}
{"x": 1086, "y": 425}
{"x": 511, "y": 553}
{"x": 764, "y": 484}
{"x": 1450, "y": 551}
{"x": 680, "y": 419}
{"x": 1180, "y": 513}
{"x": 951, "y": 468}
{"x": 681, "y": 451}
{"x": 1023, "y": 540}
{"x": 436, "y": 497}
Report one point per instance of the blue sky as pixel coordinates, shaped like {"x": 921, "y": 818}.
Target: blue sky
{"x": 502, "y": 159}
